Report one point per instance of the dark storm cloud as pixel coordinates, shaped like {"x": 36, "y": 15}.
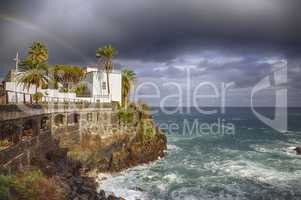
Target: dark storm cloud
{"x": 154, "y": 36}
{"x": 159, "y": 30}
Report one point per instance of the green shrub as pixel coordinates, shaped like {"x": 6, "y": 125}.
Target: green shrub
{"x": 81, "y": 90}
{"x": 32, "y": 185}
{"x": 6, "y": 183}
{"x": 125, "y": 116}
{"x": 147, "y": 130}
{"x": 37, "y": 96}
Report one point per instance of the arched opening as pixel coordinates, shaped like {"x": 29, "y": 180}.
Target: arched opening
{"x": 73, "y": 118}
{"x": 28, "y": 129}
{"x": 45, "y": 123}
{"x": 59, "y": 120}
{"x": 9, "y": 135}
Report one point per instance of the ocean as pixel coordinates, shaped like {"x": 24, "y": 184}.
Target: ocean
{"x": 205, "y": 160}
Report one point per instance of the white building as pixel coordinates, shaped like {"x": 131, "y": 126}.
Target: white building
{"x": 95, "y": 81}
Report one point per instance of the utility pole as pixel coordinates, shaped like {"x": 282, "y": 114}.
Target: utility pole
{"x": 16, "y": 74}
{"x": 17, "y": 61}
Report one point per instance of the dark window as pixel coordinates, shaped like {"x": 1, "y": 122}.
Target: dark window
{"x": 45, "y": 123}
{"x": 89, "y": 116}
{"x": 104, "y": 85}
{"x": 59, "y": 120}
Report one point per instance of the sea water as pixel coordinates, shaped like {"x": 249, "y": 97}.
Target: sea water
{"x": 256, "y": 162}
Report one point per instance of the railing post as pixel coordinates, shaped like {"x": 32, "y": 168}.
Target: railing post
{"x": 24, "y": 98}
{"x": 20, "y": 129}
{"x": 6, "y": 97}
{"x": 16, "y": 96}
{"x": 30, "y": 96}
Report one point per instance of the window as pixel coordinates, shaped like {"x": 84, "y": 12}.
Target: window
{"x": 104, "y": 85}
{"x": 89, "y": 116}
{"x": 98, "y": 116}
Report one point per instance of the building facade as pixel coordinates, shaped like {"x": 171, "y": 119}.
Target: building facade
{"x": 95, "y": 82}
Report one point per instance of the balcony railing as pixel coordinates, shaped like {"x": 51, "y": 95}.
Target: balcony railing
{"x": 13, "y": 97}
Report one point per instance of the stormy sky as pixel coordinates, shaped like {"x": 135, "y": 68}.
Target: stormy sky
{"x": 165, "y": 41}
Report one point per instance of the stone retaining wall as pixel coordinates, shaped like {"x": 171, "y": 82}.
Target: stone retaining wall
{"x": 65, "y": 132}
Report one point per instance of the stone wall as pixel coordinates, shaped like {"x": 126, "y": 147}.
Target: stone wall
{"x": 38, "y": 134}
{"x": 19, "y": 156}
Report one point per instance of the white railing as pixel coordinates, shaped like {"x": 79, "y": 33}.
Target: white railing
{"x": 17, "y": 93}
{"x": 13, "y": 97}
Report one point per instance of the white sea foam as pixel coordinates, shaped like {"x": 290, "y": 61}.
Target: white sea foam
{"x": 172, "y": 178}
{"x": 196, "y": 193}
{"x": 121, "y": 185}
{"x": 262, "y": 165}
{"x": 291, "y": 148}
{"x": 268, "y": 149}
{"x": 257, "y": 172}
{"x": 281, "y": 148}
{"x": 173, "y": 148}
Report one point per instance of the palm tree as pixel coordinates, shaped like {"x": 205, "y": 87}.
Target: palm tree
{"x": 105, "y": 56}
{"x": 128, "y": 78}
{"x": 55, "y": 77}
{"x": 37, "y": 53}
{"x": 33, "y": 70}
{"x": 32, "y": 74}
{"x": 67, "y": 75}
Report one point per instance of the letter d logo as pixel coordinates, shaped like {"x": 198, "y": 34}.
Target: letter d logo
{"x": 279, "y": 122}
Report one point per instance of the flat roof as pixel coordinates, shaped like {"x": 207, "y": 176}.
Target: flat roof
{"x": 93, "y": 68}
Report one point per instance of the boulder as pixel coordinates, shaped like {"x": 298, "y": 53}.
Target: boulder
{"x": 101, "y": 195}
{"x": 298, "y": 150}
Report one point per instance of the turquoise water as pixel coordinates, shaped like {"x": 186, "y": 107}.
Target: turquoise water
{"x": 254, "y": 163}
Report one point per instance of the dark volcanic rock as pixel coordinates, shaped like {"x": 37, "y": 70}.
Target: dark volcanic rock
{"x": 298, "y": 150}
{"x": 112, "y": 197}
{"x": 83, "y": 188}
{"x": 136, "y": 152}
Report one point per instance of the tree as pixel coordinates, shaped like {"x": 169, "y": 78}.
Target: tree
{"x": 82, "y": 90}
{"x": 33, "y": 70}
{"x": 67, "y": 75}
{"x": 128, "y": 78}
{"x": 105, "y": 56}
{"x": 55, "y": 76}
{"x": 32, "y": 74}
{"x": 37, "y": 53}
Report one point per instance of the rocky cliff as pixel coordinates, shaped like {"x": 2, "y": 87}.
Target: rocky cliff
{"x": 132, "y": 139}
{"x": 118, "y": 151}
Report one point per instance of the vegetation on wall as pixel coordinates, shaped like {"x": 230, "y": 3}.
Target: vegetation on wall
{"x": 138, "y": 115}
{"x": 37, "y": 97}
